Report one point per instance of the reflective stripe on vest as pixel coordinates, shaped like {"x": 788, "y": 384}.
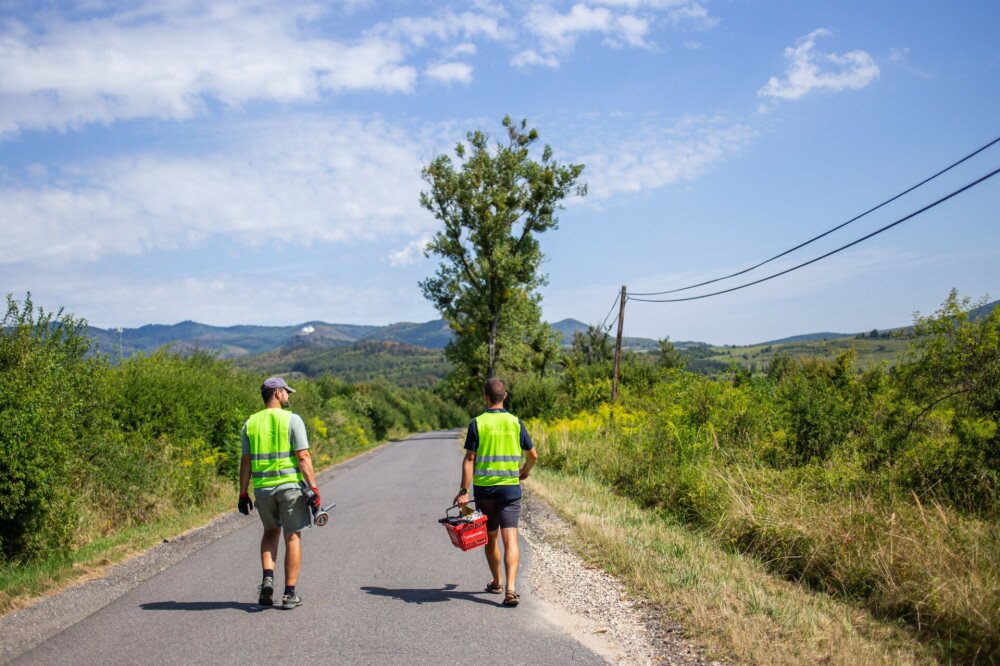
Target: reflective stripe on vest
{"x": 498, "y": 458}
{"x": 272, "y": 461}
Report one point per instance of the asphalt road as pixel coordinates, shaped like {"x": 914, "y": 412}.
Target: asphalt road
{"x": 380, "y": 584}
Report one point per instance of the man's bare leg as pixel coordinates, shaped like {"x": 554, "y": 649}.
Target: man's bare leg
{"x": 269, "y": 548}
{"x": 511, "y": 556}
{"x": 293, "y": 558}
{"x": 493, "y": 555}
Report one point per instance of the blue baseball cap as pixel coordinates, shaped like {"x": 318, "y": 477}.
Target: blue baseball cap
{"x": 276, "y": 383}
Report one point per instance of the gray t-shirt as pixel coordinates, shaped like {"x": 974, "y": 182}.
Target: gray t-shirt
{"x": 296, "y": 437}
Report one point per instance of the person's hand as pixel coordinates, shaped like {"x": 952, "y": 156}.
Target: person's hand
{"x": 461, "y": 499}
{"x": 523, "y": 475}
{"x": 316, "y": 503}
{"x": 245, "y": 506}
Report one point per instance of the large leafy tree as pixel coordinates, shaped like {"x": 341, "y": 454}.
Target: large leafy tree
{"x": 493, "y": 201}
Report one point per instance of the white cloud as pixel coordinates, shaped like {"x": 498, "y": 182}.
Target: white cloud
{"x": 531, "y": 57}
{"x": 657, "y": 154}
{"x": 164, "y": 59}
{"x": 458, "y": 50}
{"x": 298, "y": 181}
{"x": 805, "y": 72}
{"x": 694, "y": 14}
{"x": 409, "y": 254}
{"x": 632, "y": 30}
{"x": 446, "y": 26}
{"x": 558, "y": 33}
{"x": 899, "y": 55}
{"x": 450, "y": 72}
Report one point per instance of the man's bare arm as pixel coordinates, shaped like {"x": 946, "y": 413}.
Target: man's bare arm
{"x": 468, "y": 464}
{"x": 531, "y": 457}
{"x": 245, "y": 473}
{"x": 306, "y": 467}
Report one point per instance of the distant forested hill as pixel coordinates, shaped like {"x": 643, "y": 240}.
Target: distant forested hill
{"x": 365, "y": 361}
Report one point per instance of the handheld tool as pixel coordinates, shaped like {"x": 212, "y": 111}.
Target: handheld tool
{"x": 319, "y": 515}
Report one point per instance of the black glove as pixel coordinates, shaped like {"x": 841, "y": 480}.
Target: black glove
{"x": 245, "y": 505}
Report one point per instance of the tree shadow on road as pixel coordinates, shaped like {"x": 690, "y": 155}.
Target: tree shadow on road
{"x": 427, "y": 596}
{"x": 202, "y": 606}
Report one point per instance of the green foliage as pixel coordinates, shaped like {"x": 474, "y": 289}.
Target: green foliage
{"x": 591, "y": 346}
{"x": 955, "y": 356}
{"x": 195, "y": 400}
{"x": 669, "y": 358}
{"x": 47, "y": 405}
{"x": 532, "y": 396}
{"x": 493, "y": 206}
{"x": 88, "y": 448}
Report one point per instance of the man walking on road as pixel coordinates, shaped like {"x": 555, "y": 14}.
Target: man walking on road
{"x": 276, "y": 457}
{"x": 492, "y": 466}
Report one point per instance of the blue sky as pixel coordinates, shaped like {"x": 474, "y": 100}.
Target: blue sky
{"x": 259, "y": 162}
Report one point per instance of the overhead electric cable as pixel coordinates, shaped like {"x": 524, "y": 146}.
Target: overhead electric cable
{"x": 610, "y": 311}
{"x": 824, "y": 256}
{"x": 827, "y": 232}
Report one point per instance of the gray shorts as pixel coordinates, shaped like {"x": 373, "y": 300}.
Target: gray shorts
{"x": 500, "y": 513}
{"x": 286, "y": 509}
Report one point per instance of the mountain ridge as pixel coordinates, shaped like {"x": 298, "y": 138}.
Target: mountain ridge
{"x": 249, "y": 340}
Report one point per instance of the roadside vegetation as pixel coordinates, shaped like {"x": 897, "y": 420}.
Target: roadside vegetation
{"x": 880, "y": 487}
{"x": 92, "y": 452}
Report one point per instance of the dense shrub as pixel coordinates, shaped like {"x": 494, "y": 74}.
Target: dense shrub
{"x": 48, "y": 405}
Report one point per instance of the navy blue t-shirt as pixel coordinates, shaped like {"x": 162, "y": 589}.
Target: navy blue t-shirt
{"x": 472, "y": 444}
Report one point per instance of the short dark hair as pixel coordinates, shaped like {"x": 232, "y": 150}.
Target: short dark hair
{"x": 495, "y": 390}
{"x": 267, "y": 394}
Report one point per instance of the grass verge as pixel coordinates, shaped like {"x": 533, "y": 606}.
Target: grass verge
{"x": 22, "y": 584}
{"x": 727, "y": 602}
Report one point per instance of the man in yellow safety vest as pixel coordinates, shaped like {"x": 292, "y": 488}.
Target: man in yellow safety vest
{"x": 494, "y": 445}
{"x": 276, "y": 457}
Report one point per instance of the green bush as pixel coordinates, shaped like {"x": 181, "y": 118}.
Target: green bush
{"x": 49, "y": 403}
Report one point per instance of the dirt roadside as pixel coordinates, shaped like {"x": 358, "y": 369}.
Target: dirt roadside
{"x": 593, "y": 606}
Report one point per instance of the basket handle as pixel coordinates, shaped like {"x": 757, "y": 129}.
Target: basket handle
{"x": 455, "y": 506}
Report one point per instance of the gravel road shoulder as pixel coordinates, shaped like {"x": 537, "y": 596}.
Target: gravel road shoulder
{"x": 593, "y": 606}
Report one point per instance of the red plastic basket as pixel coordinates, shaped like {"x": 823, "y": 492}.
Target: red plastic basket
{"x": 465, "y": 535}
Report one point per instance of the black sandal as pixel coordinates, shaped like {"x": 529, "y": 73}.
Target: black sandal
{"x": 511, "y": 599}
{"x": 494, "y": 589}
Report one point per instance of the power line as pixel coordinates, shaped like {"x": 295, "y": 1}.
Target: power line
{"x": 824, "y": 256}
{"x": 827, "y": 232}
{"x": 609, "y": 313}
{"x": 616, "y": 316}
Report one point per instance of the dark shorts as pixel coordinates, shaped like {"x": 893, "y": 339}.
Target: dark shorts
{"x": 500, "y": 513}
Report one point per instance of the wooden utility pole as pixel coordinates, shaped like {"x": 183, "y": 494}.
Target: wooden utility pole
{"x": 618, "y": 344}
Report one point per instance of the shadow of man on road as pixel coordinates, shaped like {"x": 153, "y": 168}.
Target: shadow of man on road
{"x": 202, "y": 606}
{"x": 427, "y": 596}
